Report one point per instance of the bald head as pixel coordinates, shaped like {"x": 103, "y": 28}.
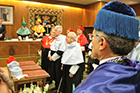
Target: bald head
{"x": 71, "y": 37}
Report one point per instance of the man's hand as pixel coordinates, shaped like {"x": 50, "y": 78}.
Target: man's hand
{"x": 91, "y": 56}
{"x": 70, "y": 75}
{"x": 5, "y": 72}
{"x": 0, "y": 35}
{"x": 20, "y": 39}
{"x": 50, "y": 58}
{"x": 35, "y": 33}
{"x": 38, "y": 36}
{"x": 61, "y": 68}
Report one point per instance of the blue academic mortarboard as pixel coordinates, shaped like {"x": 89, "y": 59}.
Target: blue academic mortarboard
{"x": 118, "y": 19}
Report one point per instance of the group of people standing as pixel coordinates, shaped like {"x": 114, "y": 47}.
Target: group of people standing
{"x": 115, "y": 33}
{"x": 63, "y": 57}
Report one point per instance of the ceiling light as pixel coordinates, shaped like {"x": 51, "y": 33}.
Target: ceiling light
{"x": 31, "y": 2}
{"x": 61, "y": 6}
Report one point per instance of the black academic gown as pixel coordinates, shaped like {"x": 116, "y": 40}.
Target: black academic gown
{"x": 56, "y": 68}
{"x": 2, "y": 31}
{"x": 83, "y": 52}
{"x": 23, "y": 36}
{"x": 58, "y": 46}
{"x": 68, "y": 81}
{"x": 92, "y": 61}
{"x": 46, "y": 64}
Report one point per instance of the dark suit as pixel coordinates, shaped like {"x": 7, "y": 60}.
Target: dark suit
{"x": 2, "y": 31}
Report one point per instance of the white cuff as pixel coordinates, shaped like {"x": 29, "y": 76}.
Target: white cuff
{"x": 94, "y": 66}
{"x": 36, "y": 34}
{"x": 82, "y": 48}
{"x": 49, "y": 53}
{"x": 55, "y": 56}
{"x": 40, "y": 52}
{"x": 89, "y": 53}
{"x": 27, "y": 37}
{"x": 19, "y": 37}
{"x": 74, "y": 69}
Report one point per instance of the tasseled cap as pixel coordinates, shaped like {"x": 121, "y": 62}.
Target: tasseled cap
{"x": 118, "y": 19}
{"x": 24, "y": 24}
{"x": 81, "y": 28}
{"x": 10, "y": 59}
{"x": 70, "y": 29}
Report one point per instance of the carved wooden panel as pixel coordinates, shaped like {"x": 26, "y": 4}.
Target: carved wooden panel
{"x": 19, "y": 49}
{"x": 34, "y": 47}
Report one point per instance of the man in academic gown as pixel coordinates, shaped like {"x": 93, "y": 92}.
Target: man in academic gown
{"x": 93, "y": 61}
{"x": 45, "y": 47}
{"x": 38, "y": 29}
{"x": 135, "y": 53}
{"x": 72, "y": 61}
{"x": 82, "y": 40}
{"x": 2, "y": 30}
{"x": 58, "y": 46}
{"x": 113, "y": 39}
{"x": 23, "y": 32}
{"x": 69, "y": 30}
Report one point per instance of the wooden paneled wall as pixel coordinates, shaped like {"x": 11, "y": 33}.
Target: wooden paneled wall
{"x": 72, "y": 17}
{"x": 136, "y": 9}
{"x": 90, "y": 13}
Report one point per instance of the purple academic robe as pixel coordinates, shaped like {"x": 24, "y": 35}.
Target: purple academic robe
{"x": 112, "y": 78}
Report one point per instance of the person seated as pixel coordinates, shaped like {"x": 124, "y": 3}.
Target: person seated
{"x": 23, "y": 32}
{"x": 38, "y": 29}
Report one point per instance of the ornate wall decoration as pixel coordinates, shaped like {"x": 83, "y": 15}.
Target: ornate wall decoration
{"x": 52, "y": 16}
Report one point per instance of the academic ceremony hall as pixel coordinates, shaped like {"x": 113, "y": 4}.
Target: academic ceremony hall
{"x": 69, "y": 46}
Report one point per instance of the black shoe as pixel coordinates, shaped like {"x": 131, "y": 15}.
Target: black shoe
{"x": 53, "y": 88}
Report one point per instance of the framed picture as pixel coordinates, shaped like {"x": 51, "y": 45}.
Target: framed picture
{"x": 6, "y": 13}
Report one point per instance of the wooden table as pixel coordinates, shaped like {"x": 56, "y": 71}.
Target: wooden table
{"x": 29, "y": 79}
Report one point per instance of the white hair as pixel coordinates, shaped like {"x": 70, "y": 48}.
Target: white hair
{"x": 73, "y": 35}
{"x": 117, "y": 44}
{"x": 59, "y": 28}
